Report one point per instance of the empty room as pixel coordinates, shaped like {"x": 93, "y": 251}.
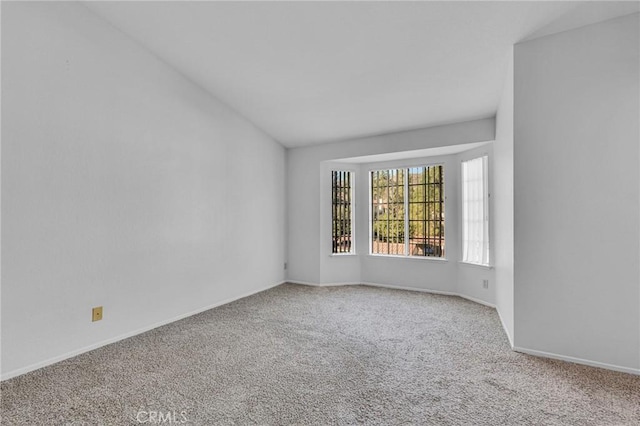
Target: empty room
{"x": 313, "y": 213}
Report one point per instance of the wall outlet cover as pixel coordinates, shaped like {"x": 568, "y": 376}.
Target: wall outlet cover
{"x": 96, "y": 314}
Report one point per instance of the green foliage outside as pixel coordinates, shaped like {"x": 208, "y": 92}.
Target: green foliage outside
{"x": 388, "y": 203}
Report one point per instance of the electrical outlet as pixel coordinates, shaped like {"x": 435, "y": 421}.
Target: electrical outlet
{"x": 485, "y": 284}
{"x": 96, "y": 314}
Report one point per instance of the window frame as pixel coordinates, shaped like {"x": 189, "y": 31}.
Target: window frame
{"x": 406, "y": 167}
{"x": 486, "y": 177}
{"x": 352, "y": 198}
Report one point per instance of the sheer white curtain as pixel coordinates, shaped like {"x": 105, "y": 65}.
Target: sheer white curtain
{"x": 475, "y": 211}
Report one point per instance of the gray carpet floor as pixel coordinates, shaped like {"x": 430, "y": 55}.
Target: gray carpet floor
{"x": 304, "y": 355}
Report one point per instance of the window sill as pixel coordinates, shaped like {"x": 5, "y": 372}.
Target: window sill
{"x": 342, "y": 254}
{"x": 476, "y": 265}
{"x": 393, "y": 256}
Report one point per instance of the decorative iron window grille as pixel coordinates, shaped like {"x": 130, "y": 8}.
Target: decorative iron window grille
{"x": 342, "y": 211}
{"x": 388, "y": 211}
{"x": 413, "y": 224}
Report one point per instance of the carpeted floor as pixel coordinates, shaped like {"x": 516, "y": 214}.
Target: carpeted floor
{"x": 305, "y": 355}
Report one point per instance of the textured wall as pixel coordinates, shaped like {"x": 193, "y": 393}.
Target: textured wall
{"x": 577, "y": 109}
{"x": 123, "y": 185}
{"x": 503, "y": 203}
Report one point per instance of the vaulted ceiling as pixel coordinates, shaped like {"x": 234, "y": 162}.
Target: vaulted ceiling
{"x": 312, "y": 72}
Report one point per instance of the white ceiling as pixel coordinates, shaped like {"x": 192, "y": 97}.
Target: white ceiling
{"x": 312, "y": 72}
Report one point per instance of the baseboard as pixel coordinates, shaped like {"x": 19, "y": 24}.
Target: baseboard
{"x": 590, "y": 363}
{"x": 302, "y": 283}
{"x": 418, "y": 289}
{"x": 480, "y": 301}
{"x": 504, "y": 327}
{"x": 422, "y": 290}
{"x": 321, "y": 284}
{"x": 50, "y": 361}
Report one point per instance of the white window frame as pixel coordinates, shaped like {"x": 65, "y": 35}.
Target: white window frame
{"x": 468, "y": 255}
{"x": 406, "y": 167}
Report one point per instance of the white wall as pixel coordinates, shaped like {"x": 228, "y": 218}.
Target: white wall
{"x": 503, "y": 205}
{"x": 577, "y": 194}
{"x": 309, "y": 253}
{"x": 123, "y": 185}
{"x": 470, "y": 277}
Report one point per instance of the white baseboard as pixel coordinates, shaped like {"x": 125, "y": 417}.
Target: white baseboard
{"x": 321, "y": 284}
{"x": 480, "y": 301}
{"x": 418, "y": 289}
{"x": 302, "y": 283}
{"x": 394, "y": 287}
{"x": 50, "y": 361}
{"x": 504, "y": 327}
{"x": 590, "y": 363}
{"x": 423, "y": 290}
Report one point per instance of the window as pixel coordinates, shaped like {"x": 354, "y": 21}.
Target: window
{"x": 420, "y": 216}
{"x": 342, "y": 211}
{"x": 475, "y": 211}
{"x": 387, "y": 212}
